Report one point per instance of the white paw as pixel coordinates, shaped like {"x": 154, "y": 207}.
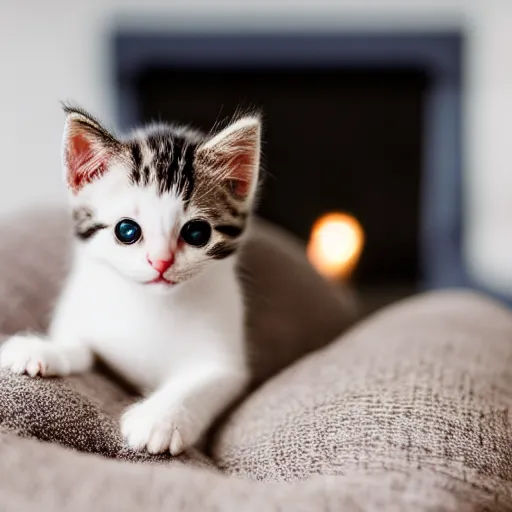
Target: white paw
{"x": 28, "y": 353}
{"x": 148, "y": 426}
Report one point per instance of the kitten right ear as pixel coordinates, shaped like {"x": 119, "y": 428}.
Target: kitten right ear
{"x": 234, "y": 154}
{"x": 87, "y": 148}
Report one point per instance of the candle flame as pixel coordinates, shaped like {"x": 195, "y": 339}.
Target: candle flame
{"x": 335, "y": 245}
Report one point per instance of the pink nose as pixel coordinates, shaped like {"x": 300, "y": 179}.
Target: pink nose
{"x": 161, "y": 265}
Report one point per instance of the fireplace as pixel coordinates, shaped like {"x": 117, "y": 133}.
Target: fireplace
{"x": 361, "y": 124}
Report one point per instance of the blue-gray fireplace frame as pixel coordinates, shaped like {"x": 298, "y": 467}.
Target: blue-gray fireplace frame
{"x": 438, "y": 54}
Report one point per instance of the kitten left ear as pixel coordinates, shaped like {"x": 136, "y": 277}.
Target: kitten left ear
{"x": 88, "y": 148}
{"x": 234, "y": 154}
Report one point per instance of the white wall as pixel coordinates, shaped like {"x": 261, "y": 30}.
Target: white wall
{"x": 52, "y": 50}
{"x": 489, "y": 147}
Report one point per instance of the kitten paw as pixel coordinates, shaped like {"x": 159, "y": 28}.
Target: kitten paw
{"x": 145, "y": 426}
{"x": 32, "y": 355}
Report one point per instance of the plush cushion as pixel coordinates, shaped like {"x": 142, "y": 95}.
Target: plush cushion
{"x": 428, "y": 430}
{"x": 291, "y": 310}
{"x": 49, "y": 478}
{"x": 409, "y": 410}
{"x": 424, "y": 385}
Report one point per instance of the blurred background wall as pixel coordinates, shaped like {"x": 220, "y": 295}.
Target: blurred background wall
{"x": 53, "y": 50}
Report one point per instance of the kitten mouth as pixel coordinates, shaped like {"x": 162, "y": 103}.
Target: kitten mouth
{"x": 162, "y": 280}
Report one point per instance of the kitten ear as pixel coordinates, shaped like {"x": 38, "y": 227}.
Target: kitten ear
{"x": 87, "y": 148}
{"x": 234, "y": 154}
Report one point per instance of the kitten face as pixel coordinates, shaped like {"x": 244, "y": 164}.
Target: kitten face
{"x": 164, "y": 204}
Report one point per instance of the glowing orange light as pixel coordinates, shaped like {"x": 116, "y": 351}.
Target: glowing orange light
{"x": 335, "y": 245}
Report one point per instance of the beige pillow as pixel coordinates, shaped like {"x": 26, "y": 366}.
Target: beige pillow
{"x": 291, "y": 309}
{"x": 426, "y": 384}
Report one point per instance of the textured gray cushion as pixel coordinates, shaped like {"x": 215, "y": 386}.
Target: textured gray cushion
{"x": 291, "y": 310}
{"x": 409, "y": 410}
{"x": 422, "y": 425}
{"x": 425, "y": 385}
{"x": 49, "y": 478}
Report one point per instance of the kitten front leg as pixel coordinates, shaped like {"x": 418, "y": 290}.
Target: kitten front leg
{"x": 179, "y": 413}
{"x": 33, "y": 355}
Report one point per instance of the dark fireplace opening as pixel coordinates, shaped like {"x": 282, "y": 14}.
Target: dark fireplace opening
{"x": 335, "y": 139}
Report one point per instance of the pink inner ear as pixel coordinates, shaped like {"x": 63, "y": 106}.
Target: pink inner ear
{"x": 241, "y": 174}
{"x": 85, "y": 163}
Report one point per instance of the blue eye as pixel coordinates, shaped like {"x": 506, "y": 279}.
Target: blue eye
{"x": 128, "y": 231}
{"x": 196, "y": 233}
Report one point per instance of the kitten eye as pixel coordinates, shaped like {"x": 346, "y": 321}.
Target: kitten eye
{"x": 127, "y": 231}
{"x": 196, "y": 233}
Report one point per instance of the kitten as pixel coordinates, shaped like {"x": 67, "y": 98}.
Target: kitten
{"x": 159, "y": 218}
